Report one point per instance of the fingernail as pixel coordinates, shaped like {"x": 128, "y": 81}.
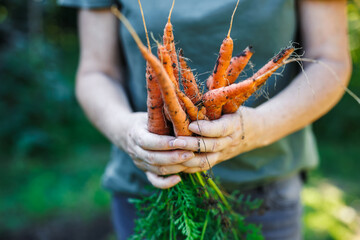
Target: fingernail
{"x": 186, "y": 155}
{"x": 179, "y": 143}
{"x": 194, "y": 127}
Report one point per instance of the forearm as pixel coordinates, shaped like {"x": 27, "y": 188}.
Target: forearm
{"x": 105, "y": 103}
{"x": 306, "y": 99}
{"x": 99, "y": 79}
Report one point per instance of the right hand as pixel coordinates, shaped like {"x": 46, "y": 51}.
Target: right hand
{"x": 152, "y": 153}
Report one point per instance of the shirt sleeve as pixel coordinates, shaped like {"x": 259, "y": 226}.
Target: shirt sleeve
{"x": 86, "y": 3}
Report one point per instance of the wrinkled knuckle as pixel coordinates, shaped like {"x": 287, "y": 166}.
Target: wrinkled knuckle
{"x": 176, "y": 157}
{"x": 150, "y": 158}
{"x": 140, "y": 141}
{"x": 129, "y": 150}
{"x": 133, "y": 156}
{"x": 224, "y": 129}
{"x": 203, "y": 163}
{"x": 215, "y": 146}
{"x": 162, "y": 171}
{"x": 137, "y": 164}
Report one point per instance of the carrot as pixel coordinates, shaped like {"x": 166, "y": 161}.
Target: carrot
{"x": 177, "y": 115}
{"x": 184, "y": 100}
{"x": 259, "y": 77}
{"x": 278, "y": 61}
{"x": 218, "y": 78}
{"x": 237, "y": 64}
{"x": 165, "y": 59}
{"x": 188, "y": 80}
{"x": 168, "y": 91}
{"x": 168, "y": 40}
{"x": 157, "y": 122}
{"x": 214, "y": 99}
{"x": 194, "y": 112}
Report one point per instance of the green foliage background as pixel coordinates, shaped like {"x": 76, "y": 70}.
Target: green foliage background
{"x": 51, "y": 158}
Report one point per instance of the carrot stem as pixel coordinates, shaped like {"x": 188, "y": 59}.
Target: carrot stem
{"x": 143, "y": 19}
{"x": 171, "y": 9}
{"x": 232, "y": 18}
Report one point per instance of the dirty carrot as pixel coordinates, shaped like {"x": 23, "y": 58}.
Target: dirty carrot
{"x": 194, "y": 112}
{"x": 157, "y": 122}
{"x": 237, "y": 64}
{"x": 278, "y": 61}
{"x": 184, "y": 100}
{"x": 168, "y": 41}
{"x": 213, "y": 100}
{"x": 218, "y": 78}
{"x": 259, "y": 78}
{"x": 178, "y": 116}
{"x": 165, "y": 59}
{"x": 188, "y": 80}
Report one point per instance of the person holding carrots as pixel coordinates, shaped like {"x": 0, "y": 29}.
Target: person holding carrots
{"x": 263, "y": 147}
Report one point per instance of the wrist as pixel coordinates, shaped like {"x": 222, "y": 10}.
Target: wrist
{"x": 254, "y": 131}
{"x": 121, "y": 126}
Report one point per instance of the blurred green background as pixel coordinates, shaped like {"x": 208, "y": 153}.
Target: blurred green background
{"x": 51, "y": 158}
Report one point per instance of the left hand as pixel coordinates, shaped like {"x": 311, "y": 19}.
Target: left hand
{"x": 222, "y": 139}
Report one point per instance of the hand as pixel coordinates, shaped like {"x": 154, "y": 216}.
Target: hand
{"x": 222, "y": 139}
{"x": 152, "y": 153}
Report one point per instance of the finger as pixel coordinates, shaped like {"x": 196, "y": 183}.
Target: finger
{"x": 163, "y": 182}
{"x": 201, "y": 144}
{"x": 202, "y": 161}
{"x": 221, "y": 127}
{"x": 159, "y": 170}
{"x": 150, "y": 141}
{"x": 163, "y": 157}
{"x": 195, "y": 170}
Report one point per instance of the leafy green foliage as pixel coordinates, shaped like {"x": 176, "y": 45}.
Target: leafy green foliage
{"x": 193, "y": 210}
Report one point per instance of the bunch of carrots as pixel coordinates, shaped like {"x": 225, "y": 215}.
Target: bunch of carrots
{"x": 170, "y": 110}
{"x": 167, "y": 103}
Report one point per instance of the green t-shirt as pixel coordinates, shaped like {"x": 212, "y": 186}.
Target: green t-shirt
{"x": 199, "y": 28}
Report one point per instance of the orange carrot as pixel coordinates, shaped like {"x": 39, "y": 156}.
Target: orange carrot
{"x": 237, "y": 64}
{"x": 278, "y": 60}
{"x": 214, "y": 99}
{"x": 157, "y": 122}
{"x": 184, "y": 100}
{"x": 188, "y": 80}
{"x": 168, "y": 40}
{"x": 165, "y": 59}
{"x": 260, "y": 77}
{"x": 178, "y": 116}
{"x": 194, "y": 112}
{"x": 218, "y": 78}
